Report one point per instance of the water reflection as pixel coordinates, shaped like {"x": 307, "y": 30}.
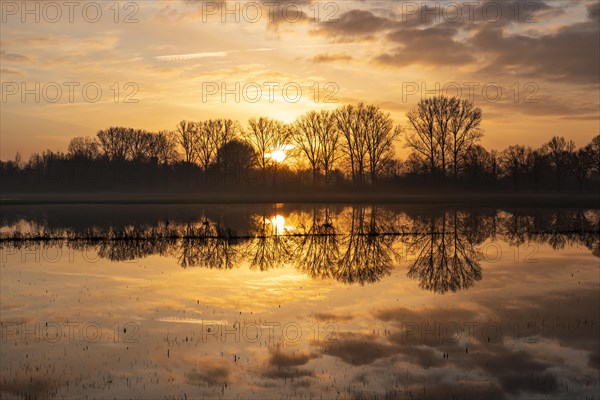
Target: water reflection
{"x": 390, "y": 301}
{"x": 447, "y": 257}
{"x": 442, "y": 249}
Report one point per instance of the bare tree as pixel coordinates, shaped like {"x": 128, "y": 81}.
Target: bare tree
{"x": 515, "y": 162}
{"x": 465, "y": 120}
{"x": 305, "y": 135}
{"x": 559, "y": 152}
{"x": 18, "y": 162}
{"x": 83, "y": 147}
{"x": 204, "y": 143}
{"x": 228, "y": 130}
{"x": 266, "y": 135}
{"x": 480, "y": 164}
{"x": 164, "y": 147}
{"x": 594, "y": 152}
{"x": 443, "y": 107}
{"x": 380, "y": 135}
{"x": 443, "y": 130}
{"x": 114, "y": 142}
{"x": 538, "y": 164}
{"x": 349, "y": 123}
{"x": 329, "y": 136}
{"x": 185, "y": 137}
{"x": 140, "y": 143}
{"x": 582, "y": 163}
{"x": 312, "y": 133}
{"x": 422, "y": 139}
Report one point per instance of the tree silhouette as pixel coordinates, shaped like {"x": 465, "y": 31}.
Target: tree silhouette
{"x": 559, "y": 152}
{"x": 380, "y": 137}
{"x": 185, "y": 137}
{"x": 83, "y": 148}
{"x": 316, "y": 135}
{"x": 237, "y": 158}
{"x": 582, "y": 163}
{"x": 266, "y": 135}
{"x": 114, "y": 142}
{"x": 465, "y": 120}
{"x": 443, "y": 131}
{"x": 354, "y": 143}
{"x": 204, "y": 142}
{"x": 515, "y": 161}
{"x": 348, "y": 119}
{"x": 594, "y": 151}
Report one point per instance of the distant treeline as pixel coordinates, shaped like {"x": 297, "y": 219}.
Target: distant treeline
{"x": 352, "y": 145}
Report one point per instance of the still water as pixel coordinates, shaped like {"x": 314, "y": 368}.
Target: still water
{"x": 299, "y": 301}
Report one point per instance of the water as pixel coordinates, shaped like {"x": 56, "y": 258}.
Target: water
{"x": 299, "y": 301}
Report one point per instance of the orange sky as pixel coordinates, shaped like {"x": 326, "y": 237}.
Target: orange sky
{"x": 531, "y": 66}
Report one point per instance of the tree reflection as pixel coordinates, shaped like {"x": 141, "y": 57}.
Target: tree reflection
{"x": 209, "y": 246}
{"x": 558, "y": 228}
{"x": 369, "y": 252}
{"x": 350, "y": 245}
{"x": 271, "y": 246}
{"x": 318, "y": 250}
{"x": 362, "y": 254}
{"x": 446, "y": 256}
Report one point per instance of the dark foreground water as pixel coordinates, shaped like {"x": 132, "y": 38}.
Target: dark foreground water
{"x": 287, "y": 301}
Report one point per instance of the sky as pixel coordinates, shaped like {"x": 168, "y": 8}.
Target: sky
{"x": 72, "y": 68}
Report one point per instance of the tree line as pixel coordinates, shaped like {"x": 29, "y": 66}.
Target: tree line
{"x": 353, "y": 145}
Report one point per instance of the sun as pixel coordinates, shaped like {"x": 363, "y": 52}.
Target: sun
{"x": 278, "y": 156}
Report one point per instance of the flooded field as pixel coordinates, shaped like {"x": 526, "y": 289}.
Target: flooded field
{"x": 299, "y": 301}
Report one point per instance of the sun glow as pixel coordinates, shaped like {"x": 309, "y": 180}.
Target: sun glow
{"x": 278, "y": 156}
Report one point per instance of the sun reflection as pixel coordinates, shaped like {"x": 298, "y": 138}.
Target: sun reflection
{"x": 278, "y": 224}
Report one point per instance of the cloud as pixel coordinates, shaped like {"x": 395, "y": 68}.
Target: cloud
{"x": 358, "y": 349}
{"x": 285, "y": 13}
{"x": 490, "y": 39}
{"x": 15, "y": 58}
{"x": 213, "y": 54}
{"x": 6, "y": 71}
{"x": 208, "y": 374}
{"x": 272, "y": 13}
{"x": 594, "y": 11}
{"x": 354, "y": 25}
{"x": 38, "y": 387}
{"x": 283, "y": 365}
{"x": 280, "y": 359}
{"x": 332, "y": 317}
{"x": 331, "y": 57}
{"x": 553, "y": 56}
{"x": 429, "y": 46}
{"x": 191, "y": 56}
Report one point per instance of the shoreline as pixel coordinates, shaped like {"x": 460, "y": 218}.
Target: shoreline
{"x": 541, "y": 199}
